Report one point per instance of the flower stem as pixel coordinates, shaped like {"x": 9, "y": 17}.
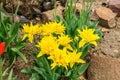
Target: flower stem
{"x": 0, "y": 68}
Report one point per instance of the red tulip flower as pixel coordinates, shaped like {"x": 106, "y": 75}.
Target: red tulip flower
{"x": 2, "y": 47}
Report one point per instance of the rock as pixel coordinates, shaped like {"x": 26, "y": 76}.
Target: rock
{"x": 110, "y": 44}
{"x": 63, "y": 2}
{"x": 36, "y": 11}
{"x": 82, "y": 77}
{"x": 48, "y": 15}
{"x": 78, "y": 7}
{"x": 118, "y": 22}
{"x": 29, "y": 9}
{"x": 115, "y": 6}
{"x": 48, "y": 6}
{"x": 93, "y": 16}
{"x": 2, "y": 1}
{"x": 106, "y": 17}
{"x": 105, "y": 13}
{"x": 103, "y": 68}
{"x": 105, "y": 30}
{"x": 23, "y": 20}
{"x": 109, "y": 24}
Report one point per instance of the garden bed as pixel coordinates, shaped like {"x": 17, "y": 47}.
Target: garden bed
{"x": 108, "y": 47}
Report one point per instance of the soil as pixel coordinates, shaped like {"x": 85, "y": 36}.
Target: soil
{"x": 20, "y": 64}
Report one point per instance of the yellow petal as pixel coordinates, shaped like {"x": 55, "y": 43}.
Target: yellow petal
{"x": 39, "y": 54}
{"x": 53, "y": 65}
{"x": 24, "y": 37}
{"x": 94, "y": 43}
{"x": 71, "y": 65}
{"x": 81, "y": 61}
{"x": 30, "y": 37}
{"x": 82, "y": 43}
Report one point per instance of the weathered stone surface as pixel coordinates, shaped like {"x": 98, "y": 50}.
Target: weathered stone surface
{"x": 105, "y": 13}
{"x": 106, "y": 17}
{"x": 94, "y": 16}
{"x": 2, "y": 1}
{"x": 48, "y": 15}
{"x": 96, "y": 4}
{"x": 103, "y": 68}
{"x": 105, "y": 30}
{"x": 115, "y": 6}
{"x": 48, "y": 5}
{"x": 110, "y": 44}
{"x": 82, "y": 77}
{"x": 26, "y": 8}
{"x": 31, "y": 8}
{"x": 62, "y": 1}
{"x": 24, "y": 20}
{"x": 118, "y": 22}
{"x": 78, "y": 7}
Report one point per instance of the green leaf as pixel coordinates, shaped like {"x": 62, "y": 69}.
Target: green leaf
{"x": 27, "y": 71}
{"x": 38, "y": 62}
{"x": 82, "y": 68}
{"x": 1, "y": 36}
{"x": 19, "y": 53}
{"x": 10, "y": 76}
{"x": 85, "y": 50}
{"x": 35, "y": 77}
{"x": 43, "y": 68}
{"x": 16, "y": 11}
{"x": 21, "y": 45}
{"x": 14, "y": 78}
{"x": 56, "y": 76}
{"x": 93, "y": 24}
{"x": 10, "y": 40}
{"x": 9, "y": 67}
{"x": 69, "y": 73}
{"x": 15, "y": 29}
{"x": 5, "y": 71}
{"x": 41, "y": 71}
{"x": 98, "y": 31}
{"x": 76, "y": 78}
{"x": 3, "y": 26}
{"x": 57, "y": 18}
{"x": 43, "y": 63}
{"x": 3, "y": 61}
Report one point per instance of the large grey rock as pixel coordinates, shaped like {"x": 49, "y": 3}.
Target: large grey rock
{"x": 103, "y": 68}
{"x": 115, "y": 6}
